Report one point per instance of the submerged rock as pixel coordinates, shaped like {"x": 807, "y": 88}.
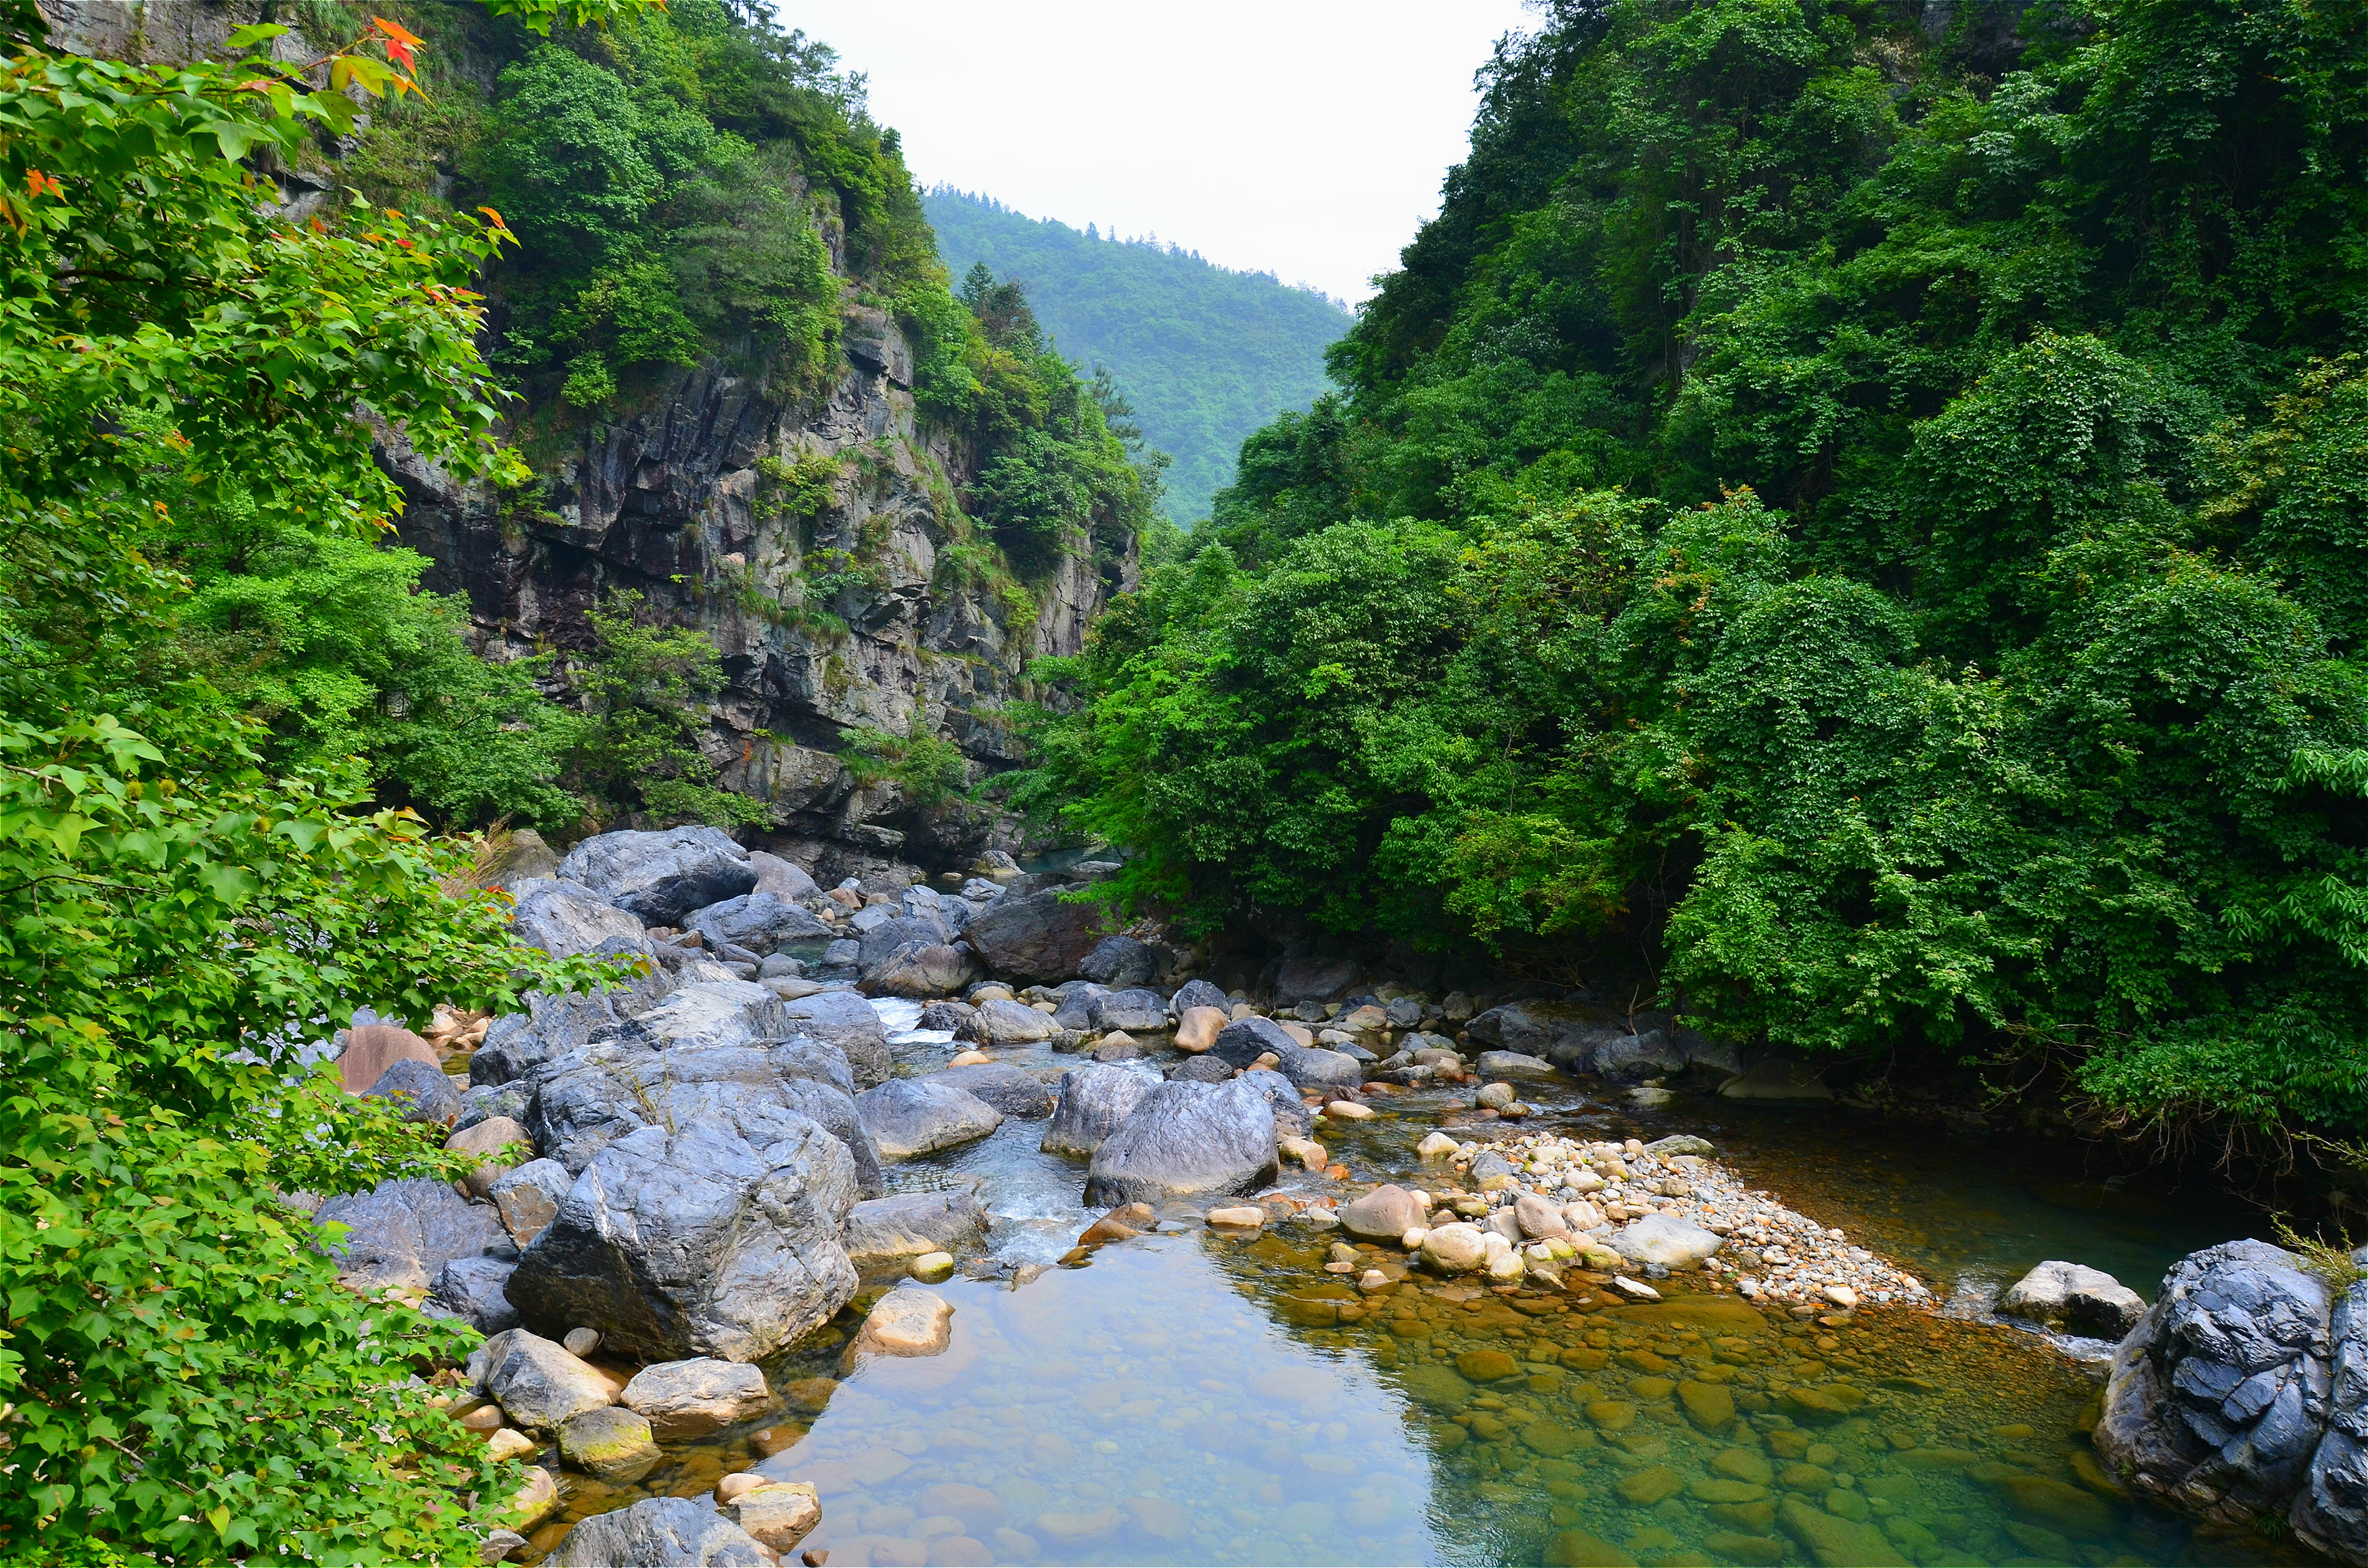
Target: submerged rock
{"x": 907, "y": 1322}
{"x": 610, "y": 1444}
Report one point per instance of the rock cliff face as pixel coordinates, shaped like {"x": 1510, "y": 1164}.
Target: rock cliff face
{"x": 853, "y": 610}
{"x": 809, "y": 526}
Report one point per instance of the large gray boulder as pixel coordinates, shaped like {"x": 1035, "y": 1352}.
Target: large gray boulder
{"x": 1292, "y": 1117}
{"x": 2221, "y": 1396}
{"x": 1136, "y": 1011}
{"x": 1004, "y": 1022}
{"x": 663, "y": 876}
{"x": 540, "y": 1385}
{"x": 2331, "y": 1513}
{"x": 1504, "y": 1066}
{"x": 1198, "y": 993}
{"x": 1243, "y": 1040}
{"x": 418, "y": 1093}
{"x": 476, "y": 1290}
{"x": 2075, "y": 1298}
{"x": 710, "y": 1012}
{"x": 784, "y": 880}
{"x": 1014, "y": 1091}
{"x": 1038, "y": 938}
{"x": 925, "y": 929}
{"x": 1186, "y": 1139}
{"x": 1314, "y": 979}
{"x": 589, "y": 1098}
{"x": 719, "y": 1237}
{"x": 1632, "y": 1059}
{"x": 907, "y": 1224}
{"x": 919, "y": 970}
{"x": 919, "y": 1116}
{"x": 1081, "y": 1005}
{"x": 1119, "y": 962}
{"x": 677, "y": 1532}
{"x": 846, "y": 1020}
{"x": 761, "y": 923}
{"x": 555, "y": 1024}
{"x": 1533, "y": 1028}
{"x": 1330, "y": 1072}
{"x": 400, "y": 1235}
{"x": 568, "y": 918}
{"x": 1093, "y": 1101}
{"x": 683, "y": 1401}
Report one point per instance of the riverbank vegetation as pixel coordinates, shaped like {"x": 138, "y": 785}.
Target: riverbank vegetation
{"x": 1856, "y": 524}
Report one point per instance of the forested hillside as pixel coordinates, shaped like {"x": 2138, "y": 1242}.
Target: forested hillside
{"x": 1851, "y": 517}
{"x": 1203, "y": 355}
{"x": 250, "y": 278}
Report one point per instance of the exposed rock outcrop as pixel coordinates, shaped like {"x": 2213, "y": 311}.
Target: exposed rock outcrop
{"x": 2243, "y": 1393}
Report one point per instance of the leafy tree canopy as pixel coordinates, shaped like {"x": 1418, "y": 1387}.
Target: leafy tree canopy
{"x": 1858, "y": 522}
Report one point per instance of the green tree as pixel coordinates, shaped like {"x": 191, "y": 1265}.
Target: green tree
{"x": 1842, "y": 523}
{"x": 184, "y": 1381}
{"x": 642, "y": 689}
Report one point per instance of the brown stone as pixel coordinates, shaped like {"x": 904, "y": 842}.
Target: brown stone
{"x": 1196, "y": 1032}
{"x": 371, "y": 1048}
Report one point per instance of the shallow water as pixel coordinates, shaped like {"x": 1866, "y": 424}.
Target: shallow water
{"x": 1186, "y": 1397}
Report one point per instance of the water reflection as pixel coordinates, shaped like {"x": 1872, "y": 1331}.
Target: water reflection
{"x": 1186, "y": 1397}
{"x": 1140, "y": 1409}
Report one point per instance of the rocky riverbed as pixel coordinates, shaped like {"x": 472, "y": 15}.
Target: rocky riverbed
{"x": 1125, "y": 1268}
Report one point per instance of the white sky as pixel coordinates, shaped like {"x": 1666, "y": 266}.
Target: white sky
{"x": 1306, "y": 138}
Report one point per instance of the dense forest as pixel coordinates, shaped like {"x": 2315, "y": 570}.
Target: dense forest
{"x": 676, "y": 190}
{"x": 1849, "y": 518}
{"x": 1203, "y": 355}
{"x": 231, "y": 728}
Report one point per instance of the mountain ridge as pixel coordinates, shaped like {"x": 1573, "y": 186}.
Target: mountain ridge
{"x": 1205, "y": 354}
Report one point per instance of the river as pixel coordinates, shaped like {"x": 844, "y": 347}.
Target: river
{"x": 1191, "y": 1397}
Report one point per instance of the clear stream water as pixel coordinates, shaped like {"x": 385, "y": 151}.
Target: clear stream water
{"x": 1188, "y": 1397}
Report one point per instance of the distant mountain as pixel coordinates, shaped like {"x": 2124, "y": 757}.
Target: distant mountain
{"x": 1205, "y": 355}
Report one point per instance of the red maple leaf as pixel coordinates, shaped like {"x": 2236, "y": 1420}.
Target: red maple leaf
{"x": 402, "y": 43}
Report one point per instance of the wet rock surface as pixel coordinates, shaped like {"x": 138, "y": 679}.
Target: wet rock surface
{"x": 720, "y": 1239}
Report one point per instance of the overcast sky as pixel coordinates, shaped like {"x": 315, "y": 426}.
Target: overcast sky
{"x": 1303, "y": 137}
